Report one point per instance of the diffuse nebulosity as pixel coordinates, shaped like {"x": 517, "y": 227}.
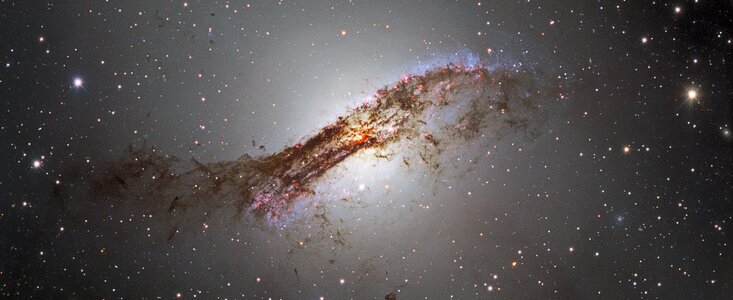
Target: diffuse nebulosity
{"x": 429, "y": 119}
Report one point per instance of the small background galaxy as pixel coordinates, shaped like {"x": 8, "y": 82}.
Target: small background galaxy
{"x": 366, "y": 149}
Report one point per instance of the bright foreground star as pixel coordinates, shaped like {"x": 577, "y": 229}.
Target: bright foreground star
{"x": 78, "y": 82}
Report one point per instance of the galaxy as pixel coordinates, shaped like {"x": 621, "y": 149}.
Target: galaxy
{"x": 366, "y": 150}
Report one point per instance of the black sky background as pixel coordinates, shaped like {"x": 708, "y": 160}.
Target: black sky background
{"x": 215, "y": 80}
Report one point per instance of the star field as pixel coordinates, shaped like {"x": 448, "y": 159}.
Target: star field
{"x": 269, "y": 150}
